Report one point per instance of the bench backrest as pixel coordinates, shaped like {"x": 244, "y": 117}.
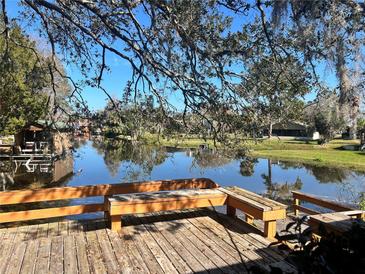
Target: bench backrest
{"x": 66, "y": 193}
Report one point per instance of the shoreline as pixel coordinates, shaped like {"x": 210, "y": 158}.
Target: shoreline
{"x": 330, "y": 155}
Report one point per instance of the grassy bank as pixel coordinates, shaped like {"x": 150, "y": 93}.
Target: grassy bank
{"x": 291, "y": 150}
{"x": 178, "y": 142}
{"x": 321, "y": 157}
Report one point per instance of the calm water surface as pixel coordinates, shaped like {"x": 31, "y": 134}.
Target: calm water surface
{"x": 100, "y": 163}
{"x": 107, "y": 162}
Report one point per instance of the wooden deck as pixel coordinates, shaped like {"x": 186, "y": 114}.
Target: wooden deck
{"x": 190, "y": 241}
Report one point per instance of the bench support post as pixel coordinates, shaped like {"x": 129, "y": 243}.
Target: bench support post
{"x": 116, "y": 223}
{"x": 231, "y": 211}
{"x": 270, "y": 229}
{"x": 296, "y": 202}
{"x": 106, "y": 210}
{"x": 249, "y": 219}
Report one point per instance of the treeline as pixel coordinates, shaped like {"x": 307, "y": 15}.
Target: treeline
{"x": 134, "y": 120}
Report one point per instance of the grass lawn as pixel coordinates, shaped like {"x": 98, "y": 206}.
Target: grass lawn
{"x": 185, "y": 142}
{"x": 299, "y": 151}
{"x": 330, "y": 154}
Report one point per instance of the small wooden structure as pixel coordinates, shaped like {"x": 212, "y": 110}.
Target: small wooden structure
{"x": 42, "y": 138}
{"x": 255, "y": 207}
{"x": 30, "y": 137}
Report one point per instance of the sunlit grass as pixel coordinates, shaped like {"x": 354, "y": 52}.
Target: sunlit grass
{"x": 330, "y": 154}
{"x": 324, "y": 157}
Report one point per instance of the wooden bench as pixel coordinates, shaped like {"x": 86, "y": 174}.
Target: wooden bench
{"x": 336, "y": 222}
{"x": 119, "y": 205}
{"x": 255, "y": 207}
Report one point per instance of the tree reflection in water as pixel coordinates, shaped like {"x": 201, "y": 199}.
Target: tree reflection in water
{"x": 347, "y": 191}
{"x": 323, "y": 174}
{"x": 279, "y": 191}
{"x": 139, "y": 160}
{"x": 247, "y": 166}
{"x": 209, "y": 158}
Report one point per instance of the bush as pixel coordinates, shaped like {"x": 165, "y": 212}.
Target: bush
{"x": 328, "y": 122}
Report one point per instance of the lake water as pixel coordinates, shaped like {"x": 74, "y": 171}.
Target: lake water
{"x": 101, "y": 162}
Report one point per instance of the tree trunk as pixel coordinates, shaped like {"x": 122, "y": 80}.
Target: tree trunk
{"x": 158, "y": 134}
{"x": 353, "y": 131}
{"x": 270, "y": 130}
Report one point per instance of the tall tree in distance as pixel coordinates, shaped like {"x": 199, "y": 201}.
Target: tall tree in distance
{"x": 275, "y": 92}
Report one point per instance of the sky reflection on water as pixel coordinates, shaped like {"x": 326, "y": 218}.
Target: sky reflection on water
{"x": 100, "y": 163}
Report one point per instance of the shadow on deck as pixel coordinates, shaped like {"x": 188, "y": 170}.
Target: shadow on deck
{"x": 189, "y": 241}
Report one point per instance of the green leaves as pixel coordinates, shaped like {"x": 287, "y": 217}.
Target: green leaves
{"x": 23, "y": 75}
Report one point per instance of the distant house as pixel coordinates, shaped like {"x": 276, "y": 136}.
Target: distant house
{"x": 294, "y": 129}
{"x": 82, "y": 127}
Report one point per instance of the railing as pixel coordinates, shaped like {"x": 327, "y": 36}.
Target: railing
{"x": 65, "y": 193}
{"x": 324, "y": 203}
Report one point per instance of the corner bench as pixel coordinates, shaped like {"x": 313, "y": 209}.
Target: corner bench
{"x": 252, "y": 204}
{"x": 255, "y": 207}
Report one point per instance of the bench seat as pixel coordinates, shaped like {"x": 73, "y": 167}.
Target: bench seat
{"x": 255, "y": 207}
{"x": 135, "y": 203}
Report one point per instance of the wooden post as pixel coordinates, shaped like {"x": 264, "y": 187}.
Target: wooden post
{"x": 231, "y": 211}
{"x": 270, "y": 229}
{"x": 249, "y": 219}
{"x": 106, "y": 210}
{"x": 116, "y": 223}
{"x": 296, "y": 202}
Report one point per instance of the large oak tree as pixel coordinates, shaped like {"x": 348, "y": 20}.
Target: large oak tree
{"x": 200, "y": 49}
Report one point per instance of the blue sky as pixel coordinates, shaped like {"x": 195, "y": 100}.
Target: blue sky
{"x": 115, "y": 80}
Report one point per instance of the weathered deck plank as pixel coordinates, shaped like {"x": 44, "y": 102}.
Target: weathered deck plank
{"x": 30, "y": 257}
{"x": 56, "y": 262}
{"x": 43, "y": 258}
{"x": 169, "y": 242}
{"x": 95, "y": 256}
{"x": 166, "y": 265}
{"x": 70, "y": 258}
{"x": 174, "y": 257}
{"x": 82, "y": 261}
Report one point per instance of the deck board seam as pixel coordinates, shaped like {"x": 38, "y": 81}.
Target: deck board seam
{"x": 239, "y": 257}
{"x": 175, "y": 248}
{"x": 153, "y": 233}
{"x": 233, "y": 235}
{"x": 196, "y": 231}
